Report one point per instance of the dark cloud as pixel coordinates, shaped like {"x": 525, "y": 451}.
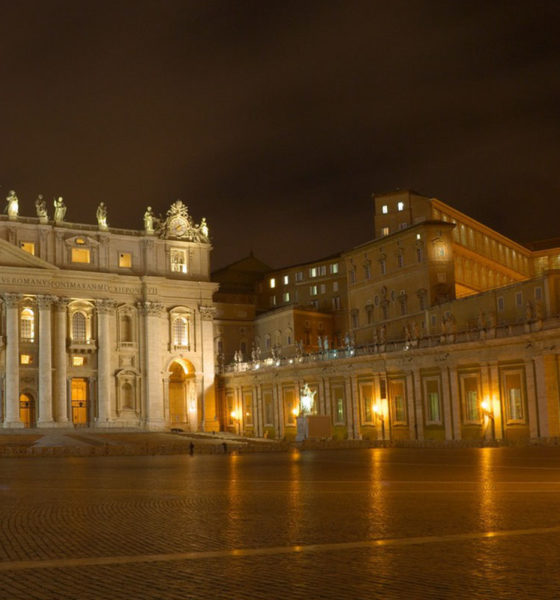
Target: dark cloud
{"x": 277, "y": 120}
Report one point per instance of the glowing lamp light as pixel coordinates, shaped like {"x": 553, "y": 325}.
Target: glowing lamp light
{"x": 485, "y": 405}
{"x": 295, "y": 411}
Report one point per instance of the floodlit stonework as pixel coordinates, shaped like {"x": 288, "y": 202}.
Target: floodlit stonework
{"x": 105, "y": 327}
{"x": 438, "y": 329}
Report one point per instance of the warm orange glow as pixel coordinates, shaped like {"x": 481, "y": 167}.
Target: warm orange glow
{"x": 485, "y": 405}
{"x": 295, "y": 411}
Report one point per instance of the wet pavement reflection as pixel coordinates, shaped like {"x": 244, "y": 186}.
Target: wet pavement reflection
{"x": 387, "y": 523}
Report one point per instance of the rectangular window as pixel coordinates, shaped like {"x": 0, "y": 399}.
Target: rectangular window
{"x": 400, "y": 260}
{"x": 366, "y": 401}
{"x": 272, "y": 282}
{"x": 398, "y": 402}
{"x": 28, "y": 247}
{"x": 383, "y": 267}
{"x": 77, "y": 361}
{"x": 313, "y": 272}
{"x": 272, "y": 300}
{"x": 338, "y": 403}
{"x": 471, "y": 399}
{"x": 315, "y": 304}
{"x": 367, "y": 271}
{"x": 335, "y": 286}
{"x": 322, "y": 270}
{"x": 400, "y": 206}
{"x": 334, "y": 268}
{"x": 433, "y": 404}
{"x": 538, "y": 293}
{"x": 286, "y": 296}
{"x": 286, "y": 279}
{"x": 299, "y": 276}
{"x": 248, "y": 408}
{"x": 178, "y": 260}
{"x": 25, "y": 359}
{"x": 354, "y": 318}
{"x": 384, "y": 231}
{"x": 80, "y": 255}
{"x": 323, "y": 288}
{"x": 125, "y": 260}
{"x": 268, "y": 407}
{"x": 352, "y": 275}
{"x": 290, "y": 405}
{"x": 501, "y": 304}
{"x": 313, "y": 290}
{"x": 513, "y": 392}
{"x": 384, "y": 209}
{"x": 419, "y": 255}
{"x": 518, "y": 299}
{"x": 336, "y": 303}
{"x": 403, "y": 225}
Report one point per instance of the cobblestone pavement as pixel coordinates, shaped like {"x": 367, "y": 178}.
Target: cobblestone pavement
{"x": 380, "y": 523}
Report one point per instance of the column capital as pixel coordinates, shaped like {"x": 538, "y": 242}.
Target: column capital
{"x": 150, "y": 308}
{"x": 61, "y": 303}
{"x": 12, "y": 300}
{"x": 207, "y": 312}
{"x": 44, "y": 302}
{"x": 105, "y": 307}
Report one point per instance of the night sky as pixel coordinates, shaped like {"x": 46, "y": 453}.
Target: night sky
{"x": 278, "y": 120}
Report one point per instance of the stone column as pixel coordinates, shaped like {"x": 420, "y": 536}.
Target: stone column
{"x": 351, "y": 423}
{"x": 208, "y": 407}
{"x": 355, "y": 399}
{"x": 455, "y": 402}
{"x": 45, "y": 363}
{"x": 60, "y": 365}
{"x": 446, "y": 403}
{"x": 105, "y": 310}
{"x": 12, "y": 361}
{"x": 153, "y": 388}
{"x": 416, "y": 388}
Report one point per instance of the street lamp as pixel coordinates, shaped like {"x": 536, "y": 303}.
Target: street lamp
{"x": 235, "y": 418}
{"x": 378, "y": 411}
{"x": 487, "y": 411}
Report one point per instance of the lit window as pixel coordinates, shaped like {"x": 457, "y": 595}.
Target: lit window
{"x": 334, "y": 268}
{"x": 418, "y": 236}
{"x": 180, "y": 332}
{"x": 400, "y": 206}
{"x": 28, "y": 247}
{"x": 79, "y": 327}
{"x": 384, "y": 231}
{"x": 286, "y": 296}
{"x": 178, "y": 260}
{"x": 272, "y": 282}
{"x": 313, "y": 272}
{"x": 80, "y": 255}
{"x": 25, "y": 359}
{"x": 384, "y": 209}
{"x": 313, "y": 290}
{"x": 77, "y": 361}
{"x": 125, "y": 260}
{"x": 27, "y": 325}
{"x": 80, "y": 241}
{"x": 286, "y": 279}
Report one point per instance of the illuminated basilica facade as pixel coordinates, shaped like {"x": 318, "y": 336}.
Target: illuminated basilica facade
{"x": 104, "y": 327}
{"x": 437, "y": 330}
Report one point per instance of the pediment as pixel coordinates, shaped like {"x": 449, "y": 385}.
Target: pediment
{"x": 12, "y": 256}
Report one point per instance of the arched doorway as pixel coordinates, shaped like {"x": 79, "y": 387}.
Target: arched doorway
{"x": 27, "y": 410}
{"x": 182, "y": 395}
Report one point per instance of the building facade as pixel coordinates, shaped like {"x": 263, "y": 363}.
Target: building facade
{"x": 452, "y": 333}
{"x": 106, "y": 327}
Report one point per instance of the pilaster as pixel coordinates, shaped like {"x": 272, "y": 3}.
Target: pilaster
{"x": 45, "y": 362}
{"x": 12, "y": 418}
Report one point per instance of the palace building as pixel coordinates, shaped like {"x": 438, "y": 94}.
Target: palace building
{"x": 438, "y": 329}
{"x": 105, "y": 327}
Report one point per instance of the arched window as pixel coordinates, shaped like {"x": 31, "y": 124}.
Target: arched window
{"x": 126, "y": 328}
{"x": 27, "y": 325}
{"x": 79, "y": 327}
{"x": 180, "y": 332}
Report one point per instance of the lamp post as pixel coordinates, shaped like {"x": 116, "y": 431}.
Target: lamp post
{"x": 235, "y": 418}
{"x": 487, "y": 411}
{"x": 378, "y": 411}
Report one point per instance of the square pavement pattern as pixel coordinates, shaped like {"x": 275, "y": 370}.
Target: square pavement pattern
{"x": 377, "y": 523}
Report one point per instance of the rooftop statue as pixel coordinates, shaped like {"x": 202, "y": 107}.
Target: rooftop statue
{"x": 41, "y": 208}
{"x": 149, "y": 221}
{"x": 204, "y": 228}
{"x": 101, "y": 215}
{"x": 12, "y": 208}
{"x": 59, "y": 210}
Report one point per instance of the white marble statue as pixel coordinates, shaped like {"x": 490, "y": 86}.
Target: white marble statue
{"x": 204, "y": 228}
{"x": 12, "y": 207}
{"x": 101, "y": 215}
{"x": 59, "y": 210}
{"x": 41, "y": 209}
{"x": 149, "y": 221}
